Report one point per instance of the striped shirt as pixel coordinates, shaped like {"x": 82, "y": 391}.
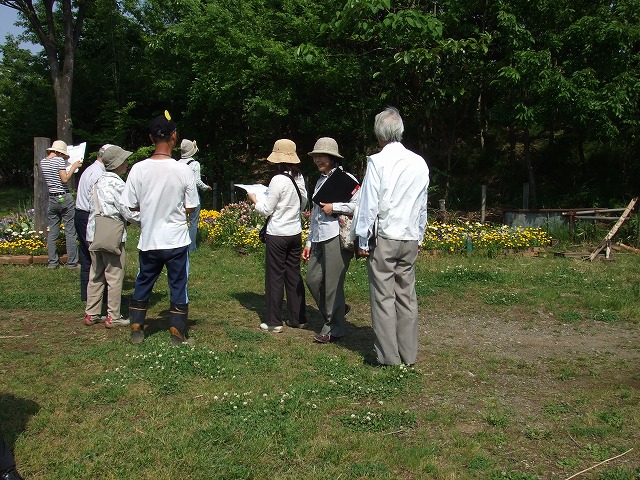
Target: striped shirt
{"x": 51, "y": 172}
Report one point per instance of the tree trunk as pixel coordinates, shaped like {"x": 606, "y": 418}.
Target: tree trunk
{"x": 62, "y": 89}
{"x": 533, "y": 197}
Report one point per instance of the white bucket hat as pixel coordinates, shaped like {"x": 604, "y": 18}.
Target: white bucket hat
{"x": 59, "y": 147}
{"x": 284, "y": 151}
{"x": 326, "y": 145}
{"x": 188, "y": 148}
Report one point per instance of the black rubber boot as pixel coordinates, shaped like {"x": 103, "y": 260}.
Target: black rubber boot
{"x": 11, "y": 474}
{"x": 137, "y": 314}
{"x": 178, "y": 322}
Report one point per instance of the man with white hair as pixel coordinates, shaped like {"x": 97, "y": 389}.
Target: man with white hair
{"x": 390, "y": 225}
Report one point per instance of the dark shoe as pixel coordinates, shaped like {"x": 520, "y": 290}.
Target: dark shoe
{"x": 299, "y": 325}
{"x": 176, "y": 337}
{"x": 11, "y": 474}
{"x": 137, "y": 333}
{"x": 347, "y": 309}
{"x": 373, "y": 362}
{"x": 326, "y": 338}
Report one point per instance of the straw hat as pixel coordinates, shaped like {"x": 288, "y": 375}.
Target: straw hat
{"x": 326, "y": 145}
{"x": 59, "y": 147}
{"x": 284, "y": 151}
{"x": 188, "y": 148}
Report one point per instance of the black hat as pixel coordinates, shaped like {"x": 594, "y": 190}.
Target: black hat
{"x": 162, "y": 126}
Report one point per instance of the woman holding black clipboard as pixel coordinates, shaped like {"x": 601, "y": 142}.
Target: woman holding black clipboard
{"x": 328, "y": 261}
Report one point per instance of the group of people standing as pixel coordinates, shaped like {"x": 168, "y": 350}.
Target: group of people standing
{"x": 389, "y": 215}
{"x": 157, "y": 194}
{"x": 389, "y": 219}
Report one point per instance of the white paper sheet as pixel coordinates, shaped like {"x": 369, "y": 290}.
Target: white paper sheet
{"x": 76, "y": 152}
{"x": 257, "y": 188}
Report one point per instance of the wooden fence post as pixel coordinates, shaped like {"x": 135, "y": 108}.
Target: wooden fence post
{"x": 232, "y": 191}
{"x": 525, "y": 196}
{"x": 40, "y": 189}
{"x": 214, "y": 191}
{"x": 483, "y": 204}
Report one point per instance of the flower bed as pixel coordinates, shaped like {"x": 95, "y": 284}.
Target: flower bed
{"x": 18, "y": 236}
{"x": 237, "y": 226}
{"x": 482, "y": 238}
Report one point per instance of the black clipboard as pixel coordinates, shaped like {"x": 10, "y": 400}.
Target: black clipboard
{"x": 339, "y": 187}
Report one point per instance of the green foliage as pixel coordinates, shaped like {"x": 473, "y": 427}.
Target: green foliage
{"x": 496, "y": 93}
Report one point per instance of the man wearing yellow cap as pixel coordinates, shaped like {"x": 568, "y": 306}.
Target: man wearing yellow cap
{"x": 164, "y": 192}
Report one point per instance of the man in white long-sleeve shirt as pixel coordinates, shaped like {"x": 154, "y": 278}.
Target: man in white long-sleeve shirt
{"x": 393, "y": 215}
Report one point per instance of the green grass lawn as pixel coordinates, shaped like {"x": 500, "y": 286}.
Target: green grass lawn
{"x": 529, "y": 368}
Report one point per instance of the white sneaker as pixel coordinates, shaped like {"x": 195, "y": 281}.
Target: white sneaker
{"x": 114, "y": 322}
{"x": 270, "y": 328}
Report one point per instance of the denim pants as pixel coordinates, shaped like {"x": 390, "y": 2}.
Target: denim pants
{"x": 62, "y": 210}
{"x": 176, "y": 260}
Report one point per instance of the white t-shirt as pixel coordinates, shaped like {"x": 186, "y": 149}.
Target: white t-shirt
{"x": 162, "y": 189}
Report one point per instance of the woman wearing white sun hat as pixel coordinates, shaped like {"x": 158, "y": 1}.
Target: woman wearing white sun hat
{"x": 188, "y": 148}
{"x": 328, "y": 262}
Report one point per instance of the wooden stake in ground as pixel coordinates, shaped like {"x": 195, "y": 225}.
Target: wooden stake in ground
{"x": 612, "y": 232}
{"x": 597, "y": 465}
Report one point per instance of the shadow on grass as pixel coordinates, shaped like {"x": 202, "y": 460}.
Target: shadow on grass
{"x": 255, "y": 302}
{"x": 14, "y": 416}
{"x": 359, "y": 339}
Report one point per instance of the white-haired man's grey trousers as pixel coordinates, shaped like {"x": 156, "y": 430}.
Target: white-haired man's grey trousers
{"x": 394, "y": 304}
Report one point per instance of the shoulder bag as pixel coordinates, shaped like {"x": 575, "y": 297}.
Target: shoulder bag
{"x": 108, "y": 232}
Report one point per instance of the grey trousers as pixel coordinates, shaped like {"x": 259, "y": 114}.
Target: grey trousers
{"x": 394, "y": 304}
{"x": 62, "y": 212}
{"x": 325, "y": 278}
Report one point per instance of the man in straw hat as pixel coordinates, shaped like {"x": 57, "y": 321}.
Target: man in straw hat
{"x": 393, "y": 212}
{"x": 164, "y": 191}
{"x": 61, "y": 204}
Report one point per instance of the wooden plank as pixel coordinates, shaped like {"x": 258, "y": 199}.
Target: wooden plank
{"x": 613, "y": 231}
{"x": 40, "y": 189}
{"x": 628, "y": 248}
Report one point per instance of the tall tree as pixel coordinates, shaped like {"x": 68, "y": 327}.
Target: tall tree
{"x": 58, "y": 31}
